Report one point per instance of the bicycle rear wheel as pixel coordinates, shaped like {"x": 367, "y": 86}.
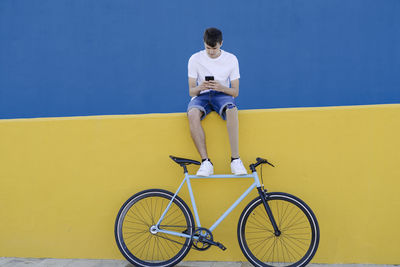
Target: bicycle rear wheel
{"x": 294, "y": 246}
{"x": 143, "y": 247}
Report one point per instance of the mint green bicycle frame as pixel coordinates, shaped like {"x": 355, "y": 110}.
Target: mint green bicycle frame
{"x": 187, "y": 179}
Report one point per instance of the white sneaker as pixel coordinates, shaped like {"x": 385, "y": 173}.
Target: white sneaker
{"x": 206, "y": 169}
{"x": 237, "y": 167}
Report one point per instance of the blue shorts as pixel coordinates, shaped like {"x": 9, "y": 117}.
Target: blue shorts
{"x": 212, "y": 100}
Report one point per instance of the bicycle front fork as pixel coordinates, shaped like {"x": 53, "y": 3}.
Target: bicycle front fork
{"x": 263, "y": 196}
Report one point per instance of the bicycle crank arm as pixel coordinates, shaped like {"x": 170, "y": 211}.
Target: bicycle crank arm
{"x": 222, "y": 247}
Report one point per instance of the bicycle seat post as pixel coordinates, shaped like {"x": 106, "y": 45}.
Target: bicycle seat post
{"x": 184, "y": 168}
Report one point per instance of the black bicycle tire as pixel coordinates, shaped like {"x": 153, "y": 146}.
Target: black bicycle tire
{"x": 121, "y": 215}
{"x": 286, "y": 197}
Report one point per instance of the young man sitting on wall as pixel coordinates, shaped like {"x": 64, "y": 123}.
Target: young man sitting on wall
{"x": 216, "y": 93}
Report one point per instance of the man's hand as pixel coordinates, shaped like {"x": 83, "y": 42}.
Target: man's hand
{"x": 195, "y": 89}
{"x": 217, "y": 86}
{"x": 214, "y": 85}
{"x": 206, "y": 85}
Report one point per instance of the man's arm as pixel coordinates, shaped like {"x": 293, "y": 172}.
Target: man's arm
{"x": 195, "y": 90}
{"x": 233, "y": 91}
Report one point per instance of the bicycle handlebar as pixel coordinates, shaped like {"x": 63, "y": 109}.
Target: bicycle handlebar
{"x": 259, "y": 161}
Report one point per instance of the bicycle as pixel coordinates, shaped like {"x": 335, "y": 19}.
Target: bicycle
{"x": 156, "y": 227}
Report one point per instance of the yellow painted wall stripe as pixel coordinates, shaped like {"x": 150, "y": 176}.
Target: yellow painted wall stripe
{"x": 63, "y": 180}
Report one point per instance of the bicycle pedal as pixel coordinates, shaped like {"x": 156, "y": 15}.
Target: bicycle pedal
{"x": 220, "y": 246}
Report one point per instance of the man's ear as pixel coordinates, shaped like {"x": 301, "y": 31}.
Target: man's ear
{"x": 222, "y": 42}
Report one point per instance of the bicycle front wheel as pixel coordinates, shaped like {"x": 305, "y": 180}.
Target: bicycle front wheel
{"x": 299, "y": 232}
{"x": 137, "y": 240}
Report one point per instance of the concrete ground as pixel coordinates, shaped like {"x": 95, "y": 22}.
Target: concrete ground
{"x": 28, "y": 262}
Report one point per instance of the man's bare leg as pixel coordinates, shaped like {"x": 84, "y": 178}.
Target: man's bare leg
{"x": 197, "y": 132}
{"x": 232, "y": 123}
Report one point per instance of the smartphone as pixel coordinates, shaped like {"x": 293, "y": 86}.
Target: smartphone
{"x": 209, "y": 78}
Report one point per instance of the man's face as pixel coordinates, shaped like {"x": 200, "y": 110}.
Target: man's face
{"x": 213, "y": 52}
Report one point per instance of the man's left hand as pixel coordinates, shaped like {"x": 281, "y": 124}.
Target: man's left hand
{"x": 215, "y": 85}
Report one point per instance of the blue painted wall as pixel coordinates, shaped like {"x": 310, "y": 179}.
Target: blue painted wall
{"x": 96, "y": 57}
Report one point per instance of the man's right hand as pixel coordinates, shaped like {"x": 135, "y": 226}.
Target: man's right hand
{"x": 195, "y": 90}
{"x": 206, "y": 85}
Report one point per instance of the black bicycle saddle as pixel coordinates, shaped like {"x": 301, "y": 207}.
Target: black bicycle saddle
{"x": 183, "y": 161}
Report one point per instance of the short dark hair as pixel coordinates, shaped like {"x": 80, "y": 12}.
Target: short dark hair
{"x": 212, "y": 36}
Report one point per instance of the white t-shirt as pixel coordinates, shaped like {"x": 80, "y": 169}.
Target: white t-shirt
{"x": 224, "y": 68}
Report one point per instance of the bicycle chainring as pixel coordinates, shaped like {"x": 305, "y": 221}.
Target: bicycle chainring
{"x": 202, "y": 234}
